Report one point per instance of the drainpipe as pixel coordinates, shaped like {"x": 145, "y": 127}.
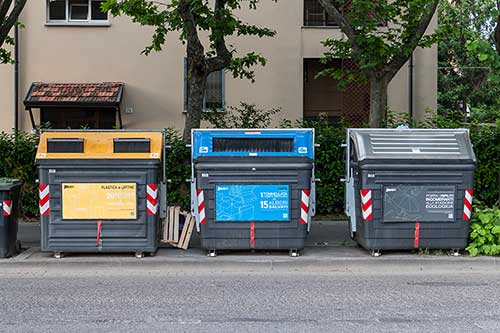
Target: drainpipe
{"x": 410, "y": 89}
{"x": 16, "y": 78}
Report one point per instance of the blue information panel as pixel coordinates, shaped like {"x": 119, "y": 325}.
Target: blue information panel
{"x": 243, "y": 203}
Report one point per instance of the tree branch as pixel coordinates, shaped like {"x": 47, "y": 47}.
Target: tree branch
{"x": 4, "y": 7}
{"x": 344, "y": 24}
{"x": 11, "y": 19}
{"x": 194, "y": 47}
{"x": 395, "y": 64}
{"x": 223, "y": 55}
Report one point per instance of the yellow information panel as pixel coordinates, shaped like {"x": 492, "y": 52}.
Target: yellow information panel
{"x": 89, "y": 201}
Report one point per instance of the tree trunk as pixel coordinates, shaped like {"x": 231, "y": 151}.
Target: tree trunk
{"x": 197, "y": 81}
{"x": 378, "y": 100}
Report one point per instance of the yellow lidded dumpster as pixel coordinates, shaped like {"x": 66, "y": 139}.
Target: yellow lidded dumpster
{"x": 101, "y": 191}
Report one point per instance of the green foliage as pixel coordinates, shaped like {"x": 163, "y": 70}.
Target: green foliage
{"x": 485, "y": 140}
{"x": 485, "y": 232}
{"x": 17, "y": 160}
{"x": 383, "y": 32}
{"x": 166, "y": 17}
{"x": 469, "y": 64}
{"x": 178, "y": 170}
{"x": 243, "y": 116}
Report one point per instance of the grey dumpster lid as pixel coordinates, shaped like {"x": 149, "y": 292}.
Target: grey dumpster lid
{"x": 416, "y": 144}
{"x": 6, "y": 184}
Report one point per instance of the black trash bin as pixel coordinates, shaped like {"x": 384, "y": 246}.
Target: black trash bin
{"x": 101, "y": 191}
{"x": 253, "y": 189}
{"x": 409, "y": 188}
{"x": 9, "y": 203}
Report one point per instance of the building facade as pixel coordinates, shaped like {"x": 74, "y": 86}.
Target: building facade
{"x": 70, "y": 41}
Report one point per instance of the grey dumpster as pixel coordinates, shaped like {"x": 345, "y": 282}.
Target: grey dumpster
{"x": 409, "y": 188}
{"x": 100, "y": 191}
{"x": 9, "y": 202}
{"x": 253, "y": 189}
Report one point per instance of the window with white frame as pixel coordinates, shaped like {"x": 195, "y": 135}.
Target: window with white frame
{"x": 214, "y": 91}
{"x": 76, "y": 11}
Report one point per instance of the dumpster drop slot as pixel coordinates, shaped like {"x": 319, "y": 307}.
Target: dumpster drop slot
{"x": 253, "y": 145}
{"x": 132, "y": 145}
{"x": 66, "y": 145}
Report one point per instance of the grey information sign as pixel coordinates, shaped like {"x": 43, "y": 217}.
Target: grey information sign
{"x": 419, "y": 203}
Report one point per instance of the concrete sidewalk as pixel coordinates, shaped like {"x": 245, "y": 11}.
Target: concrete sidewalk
{"x": 328, "y": 247}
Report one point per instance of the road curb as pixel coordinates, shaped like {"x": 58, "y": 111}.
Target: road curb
{"x": 180, "y": 261}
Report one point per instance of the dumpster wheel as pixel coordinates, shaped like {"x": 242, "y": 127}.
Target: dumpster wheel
{"x": 455, "y": 253}
{"x": 58, "y": 255}
{"x": 375, "y": 253}
{"x": 212, "y": 253}
{"x": 294, "y": 253}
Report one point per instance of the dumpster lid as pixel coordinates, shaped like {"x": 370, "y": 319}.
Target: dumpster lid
{"x": 100, "y": 144}
{"x": 6, "y": 184}
{"x": 412, "y": 144}
{"x": 253, "y": 142}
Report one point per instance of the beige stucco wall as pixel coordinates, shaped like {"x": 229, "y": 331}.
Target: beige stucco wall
{"x": 6, "y": 97}
{"x": 155, "y": 84}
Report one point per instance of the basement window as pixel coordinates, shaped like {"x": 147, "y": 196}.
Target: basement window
{"x": 76, "y": 12}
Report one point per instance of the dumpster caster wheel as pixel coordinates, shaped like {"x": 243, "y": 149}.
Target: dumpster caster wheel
{"x": 375, "y": 253}
{"x": 19, "y": 247}
{"x": 455, "y": 253}
{"x": 152, "y": 254}
{"x": 294, "y": 253}
{"x": 139, "y": 255}
{"x": 58, "y": 255}
{"x": 212, "y": 253}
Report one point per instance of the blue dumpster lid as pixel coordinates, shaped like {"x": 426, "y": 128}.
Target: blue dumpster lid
{"x": 412, "y": 144}
{"x": 7, "y": 184}
{"x": 253, "y": 142}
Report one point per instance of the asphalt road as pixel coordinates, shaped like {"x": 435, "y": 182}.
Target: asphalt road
{"x": 82, "y": 297}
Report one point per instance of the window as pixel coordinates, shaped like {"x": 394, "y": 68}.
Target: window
{"x": 214, "y": 92}
{"x": 315, "y": 15}
{"x": 76, "y": 11}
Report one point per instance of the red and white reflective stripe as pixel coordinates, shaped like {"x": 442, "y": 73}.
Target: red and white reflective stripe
{"x": 151, "y": 199}
{"x": 44, "y": 194}
{"x": 304, "y": 206}
{"x": 201, "y": 207}
{"x": 7, "y": 207}
{"x": 468, "y": 204}
{"x": 366, "y": 204}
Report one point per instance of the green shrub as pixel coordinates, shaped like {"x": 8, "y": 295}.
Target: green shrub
{"x": 178, "y": 170}
{"x": 485, "y": 232}
{"x": 485, "y": 140}
{"x": 242, "y": 116}
{"x": 17, "y": 160}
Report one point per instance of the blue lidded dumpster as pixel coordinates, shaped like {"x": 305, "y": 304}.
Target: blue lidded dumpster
{"x": 253, "y": 189}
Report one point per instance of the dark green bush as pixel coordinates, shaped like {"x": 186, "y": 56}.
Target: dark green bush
{"x": 242, "y": 116}
{"x": 178, "y": 170}
{"x": 17, "y": 160}
{"x": 486, "y": 142}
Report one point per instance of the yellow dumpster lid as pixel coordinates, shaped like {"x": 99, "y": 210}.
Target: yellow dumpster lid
{"x": 100, "y": 144}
